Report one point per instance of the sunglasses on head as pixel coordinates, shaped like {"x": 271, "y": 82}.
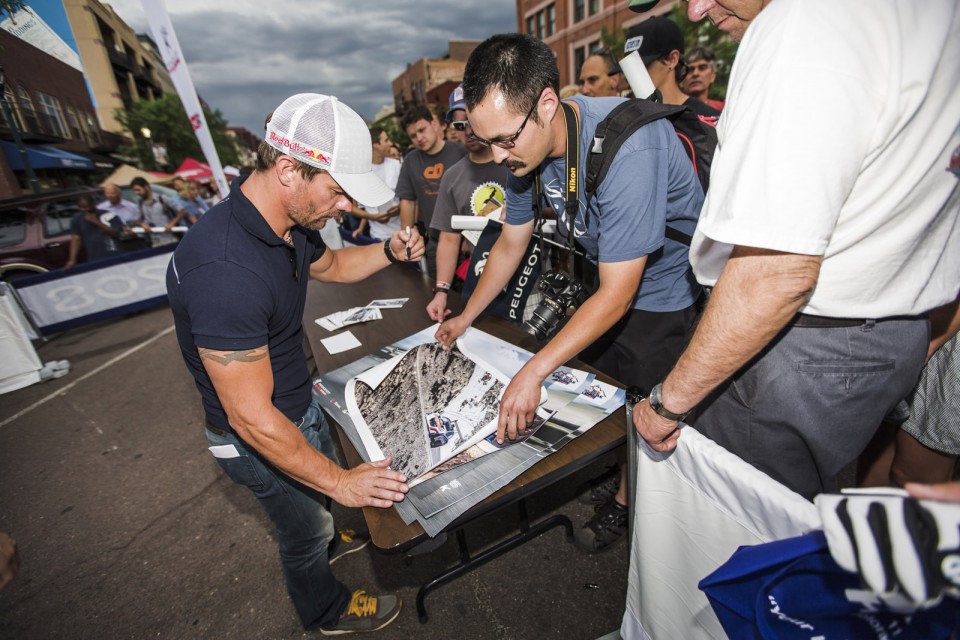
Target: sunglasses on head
{"x": 605, "y": 52}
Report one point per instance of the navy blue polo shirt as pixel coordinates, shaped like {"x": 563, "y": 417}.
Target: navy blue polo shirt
{"x": 235, "y": 285}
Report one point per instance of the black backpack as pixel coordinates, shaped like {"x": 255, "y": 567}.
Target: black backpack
{"x": 697, "y": 135}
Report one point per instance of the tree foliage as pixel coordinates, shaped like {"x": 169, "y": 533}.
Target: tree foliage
{"x": 395, "y": 133}
{"x": 169, "y": 126}
{"x": 704, "y": 34}
{"x": 10, "y": 7}
{"x": 613, "y": 39}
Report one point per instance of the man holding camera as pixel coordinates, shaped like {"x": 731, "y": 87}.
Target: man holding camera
{"x": 644, "y": 304}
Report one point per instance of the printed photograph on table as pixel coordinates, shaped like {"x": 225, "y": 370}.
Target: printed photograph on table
{"x": 486, "y": 446}
{"x": 425, "y": 406}
{"x": 390, "y": 303}
{"x": 564, "y": 385}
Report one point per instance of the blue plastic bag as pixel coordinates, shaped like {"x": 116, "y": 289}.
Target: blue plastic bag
{"x": 792, "y": 589}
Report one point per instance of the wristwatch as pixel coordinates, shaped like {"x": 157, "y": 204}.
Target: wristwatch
{"x": 656, "y": 403}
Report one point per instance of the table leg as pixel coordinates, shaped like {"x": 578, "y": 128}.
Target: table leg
{"x": 634, "y": 397}
{"x": 467, "y": 563}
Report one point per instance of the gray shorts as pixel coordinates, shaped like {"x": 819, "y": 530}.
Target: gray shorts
{"x": 809, "y": 403}
{"x": 931, "y": 414}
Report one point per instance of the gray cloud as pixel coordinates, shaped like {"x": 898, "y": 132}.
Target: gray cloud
{"x": 246, "y": 56}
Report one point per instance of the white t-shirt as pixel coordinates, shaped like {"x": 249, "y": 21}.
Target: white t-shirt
{"x": 389, "y": 172}
{"x": 840, "y": 121}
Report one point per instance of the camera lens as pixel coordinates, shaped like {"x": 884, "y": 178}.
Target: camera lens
{"x": 544, "y": 319}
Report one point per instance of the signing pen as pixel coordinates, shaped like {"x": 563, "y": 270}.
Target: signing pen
{"x": 408, "y": 242}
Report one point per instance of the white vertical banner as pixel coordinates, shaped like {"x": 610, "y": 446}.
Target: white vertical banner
{"x": 169, "y": 46}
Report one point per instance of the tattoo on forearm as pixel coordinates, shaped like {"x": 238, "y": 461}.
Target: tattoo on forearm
{"x": 226, "y": 357}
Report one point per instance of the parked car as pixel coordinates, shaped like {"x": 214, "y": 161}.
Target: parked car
{"x": 440, "y": 429}
{"x": 35, "y": 231}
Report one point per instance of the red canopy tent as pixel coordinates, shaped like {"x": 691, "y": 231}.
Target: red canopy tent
{"x": 195, "y": 170}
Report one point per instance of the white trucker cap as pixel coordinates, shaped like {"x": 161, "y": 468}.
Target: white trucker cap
{"x": 323, "y": 132}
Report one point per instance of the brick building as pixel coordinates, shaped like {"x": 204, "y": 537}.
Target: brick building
{"x": 48, "y": 102}
{"x": 572, "y": 27}
{"x": 431, "y": 80}
{"x": 120, "y": 67}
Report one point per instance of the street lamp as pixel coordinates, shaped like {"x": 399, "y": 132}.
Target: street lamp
{"x": 17, "y": 140}
{"x": 146, "y": 133}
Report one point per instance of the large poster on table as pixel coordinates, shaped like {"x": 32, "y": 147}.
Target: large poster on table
{"x": 425, "y": 406}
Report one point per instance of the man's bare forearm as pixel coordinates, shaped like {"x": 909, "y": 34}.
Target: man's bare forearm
{"x": 757, "y": 294}
{"x": 408, "y": 213}
{"x": 448, "y": 250}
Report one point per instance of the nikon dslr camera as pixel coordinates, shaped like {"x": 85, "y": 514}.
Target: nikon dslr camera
{"x": 560, "y": 292}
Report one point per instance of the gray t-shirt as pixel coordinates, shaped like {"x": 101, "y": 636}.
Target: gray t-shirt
{"x": 469, "y": 189}
{"x": 420, "y": 176}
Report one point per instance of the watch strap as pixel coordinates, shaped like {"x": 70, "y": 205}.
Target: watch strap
{"x": 656, "y": 403}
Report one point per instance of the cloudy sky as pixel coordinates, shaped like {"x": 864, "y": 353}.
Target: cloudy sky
{"x": 246, "y": 56}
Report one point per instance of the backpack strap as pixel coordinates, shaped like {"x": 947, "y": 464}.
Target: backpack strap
{"x": 621, "y": 123}
{"x": 168, "y": 208}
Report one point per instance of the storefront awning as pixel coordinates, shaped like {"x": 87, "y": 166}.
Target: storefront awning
{"x": 101, "y": 162}
{"x": 44, "y": 157}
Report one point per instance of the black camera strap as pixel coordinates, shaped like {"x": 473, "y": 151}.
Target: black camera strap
{"x": 572, "y": 183}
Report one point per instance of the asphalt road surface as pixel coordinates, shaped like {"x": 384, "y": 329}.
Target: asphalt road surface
{"x": 128, "y": 529}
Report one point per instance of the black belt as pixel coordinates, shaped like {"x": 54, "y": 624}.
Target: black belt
{"x": 216, "y": 430}
{"x": 803, "y": 320}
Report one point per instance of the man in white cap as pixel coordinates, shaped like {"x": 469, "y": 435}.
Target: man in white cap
{"x": 237, "y": 288}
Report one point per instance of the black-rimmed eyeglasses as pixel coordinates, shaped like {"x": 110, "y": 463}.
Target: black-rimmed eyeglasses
{"x": 510, "y": 141}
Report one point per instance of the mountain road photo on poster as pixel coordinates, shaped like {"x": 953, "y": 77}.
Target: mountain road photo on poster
{"x": 424, "y": 407}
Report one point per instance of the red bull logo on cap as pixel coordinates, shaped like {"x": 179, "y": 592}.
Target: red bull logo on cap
{"x": 299, "y": 149}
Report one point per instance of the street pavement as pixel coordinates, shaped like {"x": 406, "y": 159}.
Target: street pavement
{"x": 128, "y": 529}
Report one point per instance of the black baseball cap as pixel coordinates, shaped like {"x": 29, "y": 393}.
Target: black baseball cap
{"x": 654, "y": 38}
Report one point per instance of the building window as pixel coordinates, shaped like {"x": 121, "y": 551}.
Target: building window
{"x": 594, "y": 7}
{"x": 543, "y": 23}
{"x": 51, "y": 107}
{"x": 25, "y": 102}
{"x": 14, "y": 108}
{"x": 579, "y": 57}
{"x": 74, "y": 123}
{"x": 578, "y": 10}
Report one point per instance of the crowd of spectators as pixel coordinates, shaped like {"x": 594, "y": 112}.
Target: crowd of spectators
{"x": 146, "y": 217}
{"x": 797, "y": 359}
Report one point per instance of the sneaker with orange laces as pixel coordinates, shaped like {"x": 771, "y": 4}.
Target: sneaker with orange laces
{"x": 365, "y": 613}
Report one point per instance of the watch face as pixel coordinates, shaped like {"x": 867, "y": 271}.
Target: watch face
{"x": 655, "y": 398}
{"x": 656, "y": 404}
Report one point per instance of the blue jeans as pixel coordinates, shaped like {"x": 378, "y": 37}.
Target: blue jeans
{"x": 809, "y": 403}
{"x": 300, "y": 515}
